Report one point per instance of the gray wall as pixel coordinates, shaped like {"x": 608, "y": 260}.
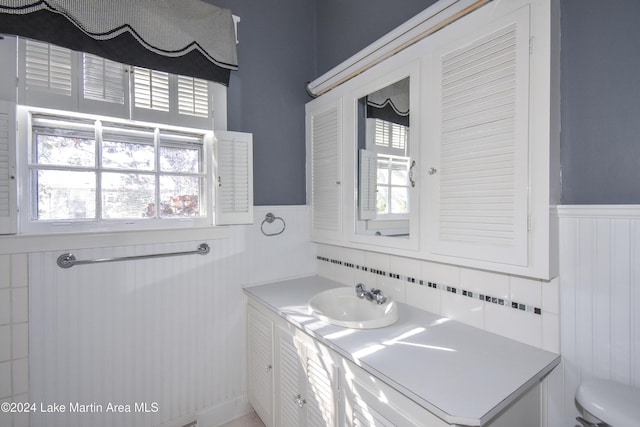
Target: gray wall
{"x": 277, "y": 57}
{"x": 600, "y": 142}
{"x": 286, "y": 43}
{"x": 345, "y": 27}
{"x": 266, "y": 96}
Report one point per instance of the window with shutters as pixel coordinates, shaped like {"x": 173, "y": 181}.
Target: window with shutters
{"x": 389, "y": 143}
{"x": 103, "y": 146}
{"x": 91, "y": 172}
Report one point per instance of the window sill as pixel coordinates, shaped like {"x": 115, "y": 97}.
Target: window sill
{"x": 48, "y": 242}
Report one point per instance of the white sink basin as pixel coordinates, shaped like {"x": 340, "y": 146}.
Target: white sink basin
{"x": 341, "y": 307}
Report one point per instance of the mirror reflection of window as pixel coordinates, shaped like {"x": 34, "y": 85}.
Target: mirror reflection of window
{"x": 384, "y": 161}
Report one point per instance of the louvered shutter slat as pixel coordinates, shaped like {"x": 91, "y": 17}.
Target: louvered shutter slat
{"x": 320, "y": 393}
{"x": 151, "y": 89}
{"x": 234, "y": 187}
{"x": 8, "y": 190}
{"x": 368, "y": 185}
{"x": 325, "y": 179}
{"x": 48, "y": 68}
{"x": 482, "y": 173}
{"x": 103, "y": 79}
{"x": 193, "y": 96}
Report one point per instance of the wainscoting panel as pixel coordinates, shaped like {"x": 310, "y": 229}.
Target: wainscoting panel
{"x": 600, "y": 297}
{"x": 163, "y": 337}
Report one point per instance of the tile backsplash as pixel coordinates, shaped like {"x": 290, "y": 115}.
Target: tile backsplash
{"x": 519, "y": 308}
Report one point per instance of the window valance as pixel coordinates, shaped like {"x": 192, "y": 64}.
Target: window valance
{"x": 187, "y": 37}
{"x": 390, "y": 103}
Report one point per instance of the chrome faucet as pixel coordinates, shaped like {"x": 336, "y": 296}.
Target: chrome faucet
{"x": 370, "y": 294}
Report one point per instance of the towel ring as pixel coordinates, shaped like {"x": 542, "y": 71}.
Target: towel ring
{"x": 270, "y": 218}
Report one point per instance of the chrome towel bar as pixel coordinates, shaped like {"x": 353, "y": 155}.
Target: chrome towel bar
{"x": 68, "y": 260}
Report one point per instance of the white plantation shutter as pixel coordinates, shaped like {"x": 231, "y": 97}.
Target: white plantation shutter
{"x": 46, "y": 75}
{"x": 325, "y": 133}
{"x": 234, "y": 177}
{"x": 151, "y": 89}
{"x": 482, "y": 171}
{"x": 103, "y": 79}
{"x": 368, "y": 184}
{"x": 48, "y": 68}
{"x": 8, "y": 204}
{"x": 193, "y": 96}
{"x": 105, "y": 87}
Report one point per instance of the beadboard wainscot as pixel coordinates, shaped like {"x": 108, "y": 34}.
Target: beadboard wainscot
{"x": 599, "y": 299}
{"x": 167, "y": 330}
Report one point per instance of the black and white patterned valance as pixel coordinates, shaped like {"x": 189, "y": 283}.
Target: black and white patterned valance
{"x": 188, "y": 37}
{"x": 390, "y": 103}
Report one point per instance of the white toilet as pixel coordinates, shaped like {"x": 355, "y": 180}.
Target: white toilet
{"x": 608, "y": 403}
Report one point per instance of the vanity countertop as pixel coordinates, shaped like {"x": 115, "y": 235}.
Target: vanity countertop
{"x": 462, "y": 374}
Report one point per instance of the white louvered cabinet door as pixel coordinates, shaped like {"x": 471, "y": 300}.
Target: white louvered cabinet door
{"x": 321, "y": 386}
{"x": 307, "y": 383}
{"x": 324, "y": 164}
{"x": 477, "y": 171}
{"x": 289, "y": 387}
{"x": 260, "y": 357}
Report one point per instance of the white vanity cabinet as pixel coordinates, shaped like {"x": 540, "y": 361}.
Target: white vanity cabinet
{"x": 306, "y": 381}
{"x": 260, "y": 357}
{"x": 484, "y": 135}
{"x": 292, "y": 379}
{"x": 421, "y": 371}
{"x": 369, "y": 402}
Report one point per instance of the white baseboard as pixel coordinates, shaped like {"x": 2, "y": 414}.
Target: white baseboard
{"x": 224, "y": 412}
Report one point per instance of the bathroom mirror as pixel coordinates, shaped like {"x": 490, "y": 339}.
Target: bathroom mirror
{"x": 385, "y": 168}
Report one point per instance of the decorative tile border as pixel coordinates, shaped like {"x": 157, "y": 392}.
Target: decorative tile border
{"x": 464, "y": 292}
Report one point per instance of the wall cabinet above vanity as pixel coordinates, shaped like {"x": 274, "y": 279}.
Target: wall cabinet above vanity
{"x": 448, "y": 150}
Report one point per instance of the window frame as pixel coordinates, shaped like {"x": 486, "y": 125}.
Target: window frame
{"x": 389, "y": 152}
{"x": 28, "y": 225}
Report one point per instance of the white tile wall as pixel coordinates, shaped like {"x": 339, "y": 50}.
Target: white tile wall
{"x": 525, "y": 327}
{"x": 540, "y": 330}
{"x": 14, "y": 335}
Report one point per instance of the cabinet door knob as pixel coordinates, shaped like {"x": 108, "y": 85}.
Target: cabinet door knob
{"x": 432, "y": 171}
{"x": 298, "y": 400}
{"x": 267, "y": 368}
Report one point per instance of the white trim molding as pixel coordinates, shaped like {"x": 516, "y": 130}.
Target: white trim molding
{"x": 432, "y": 19}
{"x": 599, "y": 211}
